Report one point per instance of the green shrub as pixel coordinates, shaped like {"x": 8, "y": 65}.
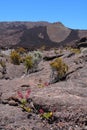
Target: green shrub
{"x": 32, "y": 60}
{"x": 28, "y": 63}
{"x": 37, "y": 56}
{"x": 15, "y": 57}
{"x": 59, "y": 70}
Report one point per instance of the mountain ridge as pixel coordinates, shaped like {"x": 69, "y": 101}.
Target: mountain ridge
{"x": 38, "y": 34}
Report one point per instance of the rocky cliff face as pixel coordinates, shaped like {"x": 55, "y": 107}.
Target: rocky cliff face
{"x": 37, "y": 34}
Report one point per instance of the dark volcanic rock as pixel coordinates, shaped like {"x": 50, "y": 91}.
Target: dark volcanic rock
{"x": 82, "y": 42}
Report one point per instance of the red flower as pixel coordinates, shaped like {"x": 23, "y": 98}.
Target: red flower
{"x": 20, "y": 95}
{"x": 27, "y": 94}
{"x": 41, "y": 111}
{"x": 46, "y": 84}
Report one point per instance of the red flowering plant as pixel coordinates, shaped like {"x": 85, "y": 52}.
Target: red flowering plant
{"x": 47, "y": 115}
{"x": 23, "y": 99}
{"x": 41, "y": 85}
{"x": 46, "y": 84}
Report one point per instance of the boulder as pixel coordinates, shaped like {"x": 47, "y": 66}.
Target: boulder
{"x": 14, "y": 71}
{"x": 82, "y": 42}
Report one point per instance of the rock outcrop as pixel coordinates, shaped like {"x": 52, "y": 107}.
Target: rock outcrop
{"x": 82, "y": 42}
{"x": 67, "y": 99}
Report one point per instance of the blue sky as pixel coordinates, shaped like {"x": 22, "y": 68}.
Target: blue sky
{"x": 72, "y": 13}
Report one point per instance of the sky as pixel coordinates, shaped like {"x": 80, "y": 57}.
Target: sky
{"x": 72, "y": 13}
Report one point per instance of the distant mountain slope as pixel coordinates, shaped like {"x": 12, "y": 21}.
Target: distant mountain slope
{"x": 37, "y": 34}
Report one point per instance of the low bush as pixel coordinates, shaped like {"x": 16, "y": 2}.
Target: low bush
{"x": 37, "y": 57}
{"x": 59, "y": 70}
{"x": 32, "y": 61}
{"x": 28, "y": 63}
{"x": 15, "y": 57}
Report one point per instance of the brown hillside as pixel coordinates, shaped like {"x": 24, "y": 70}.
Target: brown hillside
{"x": 37, "y": 34}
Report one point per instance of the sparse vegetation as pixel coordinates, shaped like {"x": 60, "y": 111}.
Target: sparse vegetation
{"x": 59, "y": 70}
{"x": 15, "y": 57}
{"x": 21, "y": 50}
{"x": 46, "y": 115}
{"x": 23, "y": 99}
{"x": 73, "y": 50}
{"x": 28, "y": 63}
{"x": 32, "y": 61}
{"x": 46, "y": 99}
{"x": 27, "y": 105}
{"x": 37, "y": 57}
{"x": 76, "y": 51}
